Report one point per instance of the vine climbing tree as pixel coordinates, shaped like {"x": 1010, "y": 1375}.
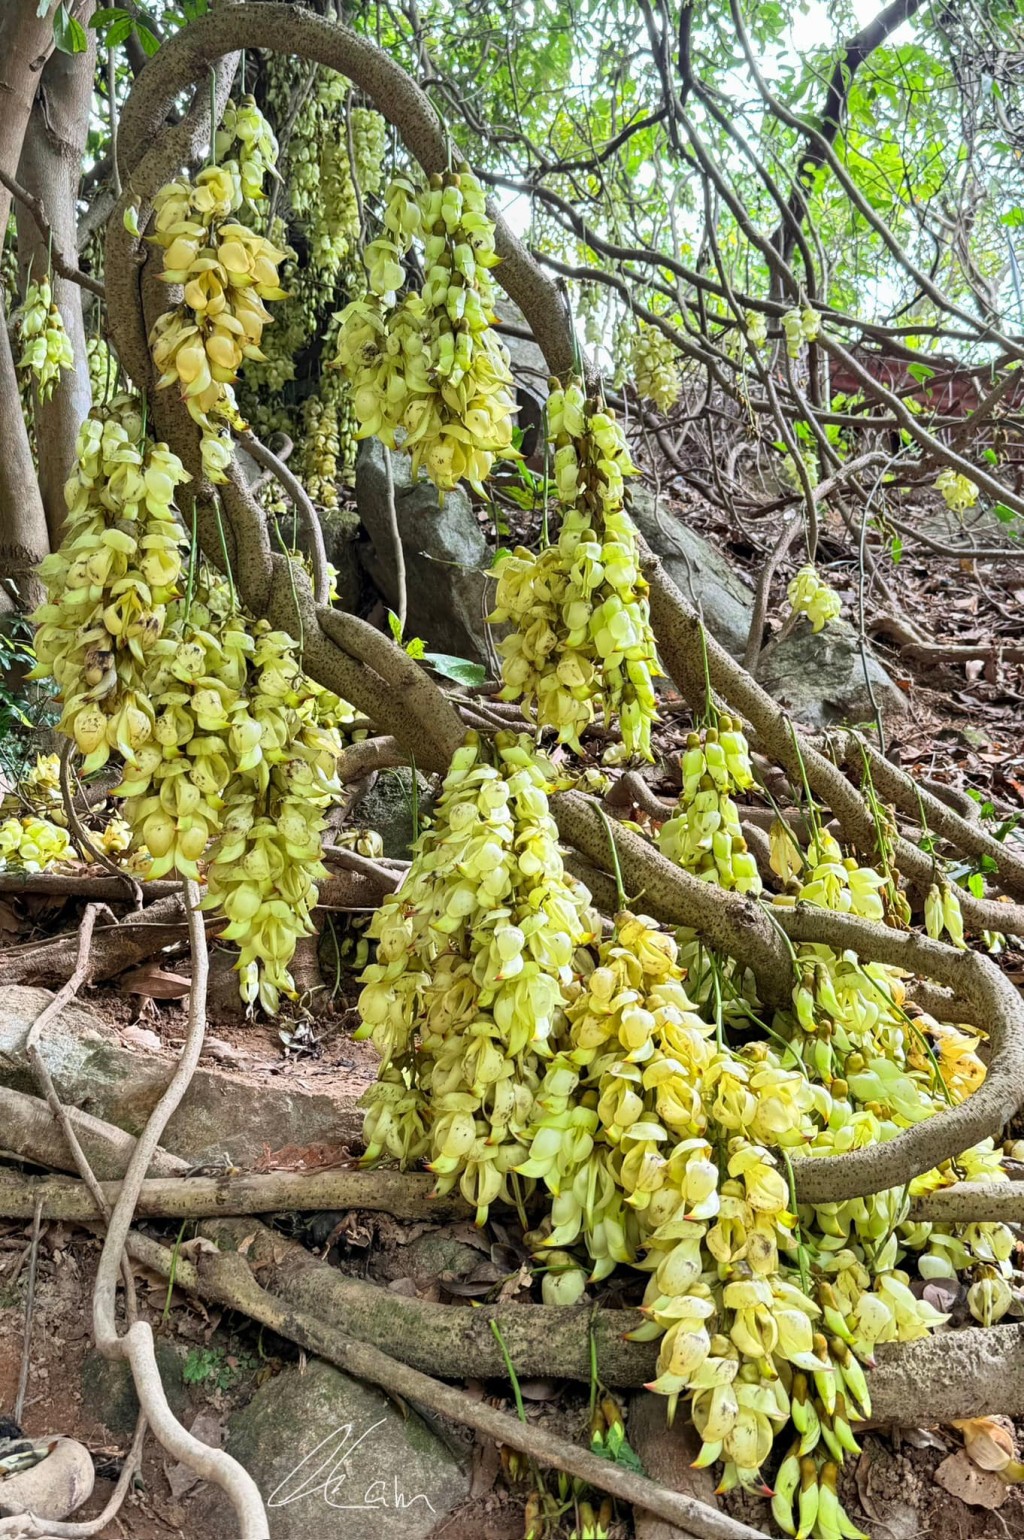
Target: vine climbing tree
{"x": 675, "y": 1045}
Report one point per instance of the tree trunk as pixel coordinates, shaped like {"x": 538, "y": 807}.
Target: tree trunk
{"x": 50, "y": 167}
{"x": 25, "y": 43}
{"x": 23, "y": 536}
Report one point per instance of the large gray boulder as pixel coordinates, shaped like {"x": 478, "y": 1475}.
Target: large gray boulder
{"x": 819, "y": 679}
{"x": 446, "y": 555}
{"x": 822, "y": 680}
{"x": 335, "y": 1459}
{"x": 699, "y": 571}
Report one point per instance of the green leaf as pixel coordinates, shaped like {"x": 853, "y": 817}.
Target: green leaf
{"x": 976, "y": 883}
{"x": 1003, "y": 514}
{"x": 395, "y": 627}
{"x": 459, "y": 669}
{"x": 416, "y": 648}
{"x": 896, "y": 550}
{"x": 500, "y": 555}
{"x": 150, "y": 42}
{"x": 920, "y": 372}
{"x": 131, "y": 220}
{"x": 68, "y": 34}
{"x": 104, "y": 17}
{"x": 118, "y": 31}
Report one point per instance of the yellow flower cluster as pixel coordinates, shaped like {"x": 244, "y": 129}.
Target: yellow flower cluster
{"x": 473, "y": 954}
{"x": 102, "y": 369}
{"x": 109, "y": 584}
{"x": 221, "y": 736}
{"x": 810, "y": 595}
{"x": 244, "y": 125}
{"x": 38, "y": 788}
{"x": 32, "y": 844}
{"x": 582, "y": 639}
{"x": 705, "y": 836}
{"x": 654, "y": 361}
{"x": 428, "y": 373}
{"x": 800, "y": 326}
{"x": 46, "y": 347}
{"x": 959, "y": 492}
{"x": 283, "y": 753}
{"x": 227, "y": 271}
{"x": 662, "y": 1145}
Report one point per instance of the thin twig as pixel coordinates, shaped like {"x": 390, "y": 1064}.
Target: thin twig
{"x": 396, "y": 541}
{"x": 303, "y": 505}
{"x": 85, "y": 843}
{"x": 30, "y": 1302}
{"x": 61, "y": 264}
{"x": 752, "y": 651}
{"x": 45, "y": 1083}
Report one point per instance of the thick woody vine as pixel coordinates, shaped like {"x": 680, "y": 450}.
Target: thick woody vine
{"x": 614, "y": 1085}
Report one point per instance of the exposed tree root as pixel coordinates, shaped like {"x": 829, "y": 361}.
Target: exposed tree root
{"x": 136, "y": 1346}
{"x": 974, "y": 1372}
{"x": 403, "y": 1195}
{"x": 27, "y": 1129}
{"x": 139, "y": 936}
{"x": 228, "y": 1280}
{"x": 114, "y": 947}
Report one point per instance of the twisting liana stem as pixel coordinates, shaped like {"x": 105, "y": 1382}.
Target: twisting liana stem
{"x": 136, "y": 1346}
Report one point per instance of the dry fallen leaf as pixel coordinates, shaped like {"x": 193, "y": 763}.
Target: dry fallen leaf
{"x": 208, "y": 1430}
{"x": 156, "y": 982}
{"x": 190, "y": 1250}
{"x": 988, "y": 1444}
{"x": 980, "y": 1488}
{"x": 141, "y": 1037}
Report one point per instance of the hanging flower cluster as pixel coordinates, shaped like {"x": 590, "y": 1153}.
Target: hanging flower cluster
{"x": 473, "y": 954}
{"x": 582, "y": 640}
{"x": 800, "y": 326}
{"x": 810, "y": 595}
{"x": 654, "y": 361}
{"x": 705, "y": 835}
{"x": 663, "y": 1145}
{"x": 46, "y": 348}
{"x": 227, "y": 271}
{"x": 228, "y": 751}
{"x": 427, "y": 372}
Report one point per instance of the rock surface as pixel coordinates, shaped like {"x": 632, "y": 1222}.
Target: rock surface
{"x": 92, "y": 1069}
{"x": 698, "y": 570}
{"x": 820, "y": 680}
{"x": 336, "y": 1460}
{"x": 387, "y": 807}
{"x": 446, "y": 555}
{"x": 108, "y": 1389}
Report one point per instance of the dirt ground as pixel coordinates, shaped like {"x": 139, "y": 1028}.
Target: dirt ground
{"x": 890, "y": 1490}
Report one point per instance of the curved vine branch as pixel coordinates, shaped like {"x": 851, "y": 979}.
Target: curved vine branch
{"x": 364, "y": 667}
